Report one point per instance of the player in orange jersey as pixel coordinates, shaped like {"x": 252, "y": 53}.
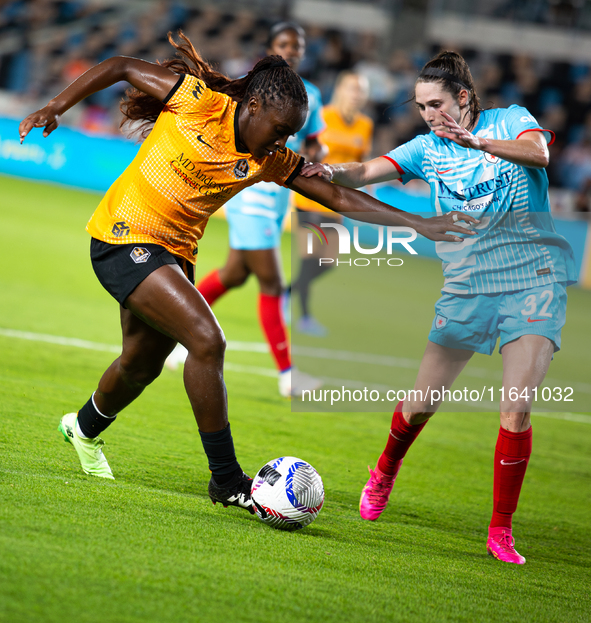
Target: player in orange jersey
{"x": 207, "y": 138}
{"x": 255, "y": 222}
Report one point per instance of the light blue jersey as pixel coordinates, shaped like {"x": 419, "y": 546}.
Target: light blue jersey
{"x": 517, "y": 246}
{"x": 256, "y": 214}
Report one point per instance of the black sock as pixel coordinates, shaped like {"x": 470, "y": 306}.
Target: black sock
{"x": 310, "y": 270}
{"x": 91, "y": 421}
{"x": 219, "y": 448}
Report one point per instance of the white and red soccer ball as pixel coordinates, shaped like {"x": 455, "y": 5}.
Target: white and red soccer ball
{"x": 287, "y": 493}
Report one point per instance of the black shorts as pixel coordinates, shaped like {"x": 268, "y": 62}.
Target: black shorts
{"x": 122, "y": 267}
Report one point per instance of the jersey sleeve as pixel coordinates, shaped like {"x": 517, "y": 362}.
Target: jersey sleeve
{"x": 519, "y": 121}
{"x": 189, "y": 95}
{"x": 282, "y": 167}
{"x": 408, "y": 160}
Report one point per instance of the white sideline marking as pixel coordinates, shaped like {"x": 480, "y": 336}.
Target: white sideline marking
{"x": 319, "y": 353}
{"x": 304, "y": 351}
{"x": 62, "y": 341}
{"x": 236, "y": 367}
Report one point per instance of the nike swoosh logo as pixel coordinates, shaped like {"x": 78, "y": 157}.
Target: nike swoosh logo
{"x": 536, "y": 319}
{"x": 442, "y": 172}
{"x": 397, "y": 438}
{"x": 503, "y": 462}
{"x": 200, "y": 139}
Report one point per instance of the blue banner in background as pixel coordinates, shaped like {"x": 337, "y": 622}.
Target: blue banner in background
{"x": 66, "y": 156}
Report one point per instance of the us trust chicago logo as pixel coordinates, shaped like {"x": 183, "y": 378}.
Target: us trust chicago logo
{"x": 388, "y": 236}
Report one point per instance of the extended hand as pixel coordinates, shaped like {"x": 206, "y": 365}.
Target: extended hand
{"x": 435, "y": 228}
{"x": 47, "y": 118}
{"x": 310, "y": 169}
{"x": 453, "y": 131}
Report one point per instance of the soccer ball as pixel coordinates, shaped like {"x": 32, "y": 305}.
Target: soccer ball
{"x": 287, "y": 493}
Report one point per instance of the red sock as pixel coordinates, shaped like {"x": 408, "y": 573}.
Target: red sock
{"x": 274, "y": 327}
{"x": 511, "y": 458}
{"x": 401, "y": 437}
{"x": 211, "y": 287}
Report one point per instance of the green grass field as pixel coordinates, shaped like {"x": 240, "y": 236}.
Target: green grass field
{"x": 150, "y": 547}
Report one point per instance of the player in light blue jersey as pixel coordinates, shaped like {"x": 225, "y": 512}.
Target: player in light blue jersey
{"x": 508, "y": 282}
{"x": 255, "y": 218}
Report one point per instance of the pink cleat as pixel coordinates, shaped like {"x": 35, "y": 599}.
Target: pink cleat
{"x": 501, "y": 545}
{"x": 376, "y": 493}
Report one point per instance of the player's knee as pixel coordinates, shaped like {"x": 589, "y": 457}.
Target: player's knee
{"x": 140, "y": 372}
{"x": 209, "y": 344}
{"x": 234, "y": 276}
{"x": 236, "y": 280}
{"x": 271, "y": 287}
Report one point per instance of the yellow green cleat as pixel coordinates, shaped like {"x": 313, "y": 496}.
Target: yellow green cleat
{"x": 89, "y": 451}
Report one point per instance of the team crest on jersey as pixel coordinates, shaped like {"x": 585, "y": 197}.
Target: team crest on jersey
{"x": 241, "y": 169}
{"x": 491, "y": 158}
{"x": 120, "y": 229}
{"x": 440, "y": 321}
{"x": 198, "y": 90}
{"x": 140, "y": 255}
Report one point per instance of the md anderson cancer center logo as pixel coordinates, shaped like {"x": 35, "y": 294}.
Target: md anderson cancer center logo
{"x": 387, "y": 236}
{"x": 194, "y": 177}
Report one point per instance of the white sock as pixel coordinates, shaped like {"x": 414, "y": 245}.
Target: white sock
{"x": 79, "y": 431}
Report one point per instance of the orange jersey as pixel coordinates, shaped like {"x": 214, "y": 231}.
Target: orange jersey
{"x": 346, "y": 142}
{"x": 187, "y": 168}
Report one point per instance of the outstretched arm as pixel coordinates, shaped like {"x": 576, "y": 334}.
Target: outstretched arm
{"x": 529, "y": 150}
{"x": 148, "y": 77}
{"x": 364, "y": 207}
{"x": 353, "y": 174}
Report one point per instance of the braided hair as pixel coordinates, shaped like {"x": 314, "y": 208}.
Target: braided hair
{"x": 271, "y": 80}
{"x": 451, "y": 70}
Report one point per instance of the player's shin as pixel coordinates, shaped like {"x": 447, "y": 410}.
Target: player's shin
{"x": 272, "y": 323}
{"x": 401, "y": 437}
{"x": 512, "y": 454}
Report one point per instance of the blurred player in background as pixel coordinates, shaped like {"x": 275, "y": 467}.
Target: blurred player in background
{"x": 255, "y": 219}
{"x": 508, "y": 282}
{"x": 348, "y": 137}
{"x": 206, "y": 138}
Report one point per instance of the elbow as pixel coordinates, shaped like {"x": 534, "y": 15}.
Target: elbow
{"x": 118, "y": 67}
{"x": 537, "y": 161}
{"x": 542, "y": 157}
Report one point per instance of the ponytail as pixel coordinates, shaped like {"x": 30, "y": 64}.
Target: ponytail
{"x": 271, "y": 79}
